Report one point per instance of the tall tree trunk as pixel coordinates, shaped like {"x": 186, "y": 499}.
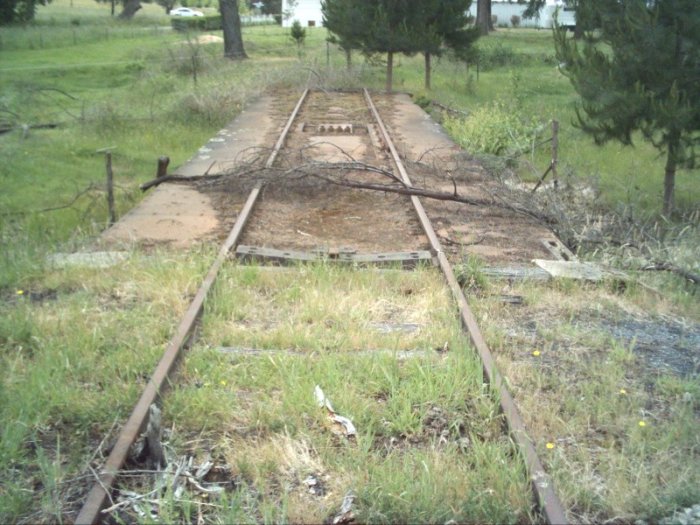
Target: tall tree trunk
{"x": 231, "y": 21}
{"x": 348, "y": 58}
{"x": 670, "y": 173}
{"x": 483, "y": 16}
{"x": 428, "y": 70}
{"x": 389, "y": 71}
{"x": 130, "y": 9}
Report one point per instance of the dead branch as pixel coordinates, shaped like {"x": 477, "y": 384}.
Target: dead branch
{"x": 176, "y": 178}
{"x": 26, "y": 127}
{"x": 59, "y": 91}
{"x": 428, "y": 194}
{"x": 452, "y": 242}
{"x": 670, "y": 267}
{"x": 69, "y": 204}
{"x": 448, "y": 109}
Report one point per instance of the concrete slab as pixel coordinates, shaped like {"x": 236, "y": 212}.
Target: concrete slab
{"x": 180, "y": 216}
{"x": 329, "y": 148}
{"x": 420, "y": 135}
{"x": 248, "y": 130}
{"x": 171, "y": 214}
{"x": 571, "y": 269}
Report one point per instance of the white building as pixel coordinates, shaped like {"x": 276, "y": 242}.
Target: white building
{"x": 505, "y": 10}
{"x": 308, "y": 12}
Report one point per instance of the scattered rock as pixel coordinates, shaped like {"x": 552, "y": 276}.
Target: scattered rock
{"x": 687, "y": 516}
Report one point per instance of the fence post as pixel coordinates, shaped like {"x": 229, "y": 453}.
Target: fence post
{"x": 162, "y": 167}
{"x": 555, "y": 151}
{"x": 110, "y": 188}
{"x": 110, "y": 183}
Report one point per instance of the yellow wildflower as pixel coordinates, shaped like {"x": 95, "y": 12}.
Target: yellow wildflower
{"x": 20, "y": 292}
{"x": 642, "y": 423}
{"x": 550, "y": 446}
{"x": 623, "y": 391}
{"x": 536, "y": 353}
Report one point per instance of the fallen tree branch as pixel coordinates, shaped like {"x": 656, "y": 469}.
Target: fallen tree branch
{"x": 429, "y": 194}
{"x": 177, "y": 178}
{"x": 69, "y": 204}
{"x": 670, "y": 267}
{"x": 27, "y": 127}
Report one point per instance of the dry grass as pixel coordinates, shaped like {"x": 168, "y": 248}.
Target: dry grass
{"x": 613, "y": 387}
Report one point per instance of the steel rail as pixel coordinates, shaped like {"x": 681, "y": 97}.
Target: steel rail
{"x": 542, "y": 485}
{"x": 97, "y": 497}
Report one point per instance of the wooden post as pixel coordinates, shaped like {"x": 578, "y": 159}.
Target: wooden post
{"x": 110, "y": 188}
{"x": 328, "y": 54}
{"x": 162, "y": 166}
{"x": 555, "y": 151}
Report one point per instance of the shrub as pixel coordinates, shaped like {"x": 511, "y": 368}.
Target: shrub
{"x": 496, "y": 128}
{"x": 492, "y": 56}
{"x": 515, "y": 21}
{"x": 197, "y": 23}
{"x": 298, "y": 33}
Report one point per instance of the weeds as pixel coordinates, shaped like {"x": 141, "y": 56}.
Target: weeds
{"x": 617, "y": 423}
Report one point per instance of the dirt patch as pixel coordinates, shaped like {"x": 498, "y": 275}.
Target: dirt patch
{"x": 662, "y": 344}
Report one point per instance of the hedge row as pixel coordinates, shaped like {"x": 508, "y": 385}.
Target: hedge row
{"x": 200, "y": 23}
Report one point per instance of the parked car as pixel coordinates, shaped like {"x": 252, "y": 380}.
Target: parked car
{"x": 185, "y": 11}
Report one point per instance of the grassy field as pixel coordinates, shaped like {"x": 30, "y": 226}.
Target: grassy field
{"x": 72, "y": 340}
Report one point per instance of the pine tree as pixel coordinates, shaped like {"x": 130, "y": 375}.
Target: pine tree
{"x": 298, "y": 34}
{"x": 380, "y": 26}
{"x": 388, "y": 30}
{"x": 441, "y": 24}
{"x": 641, "y": 74}
{"x": 345, "y": 19}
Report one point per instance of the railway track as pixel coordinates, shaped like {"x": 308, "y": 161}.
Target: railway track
{"x": 332, "y": 129}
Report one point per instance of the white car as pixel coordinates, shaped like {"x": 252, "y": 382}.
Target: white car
{"x": 185, "y": 11}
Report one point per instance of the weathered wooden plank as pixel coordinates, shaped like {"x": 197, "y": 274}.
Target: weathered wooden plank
{"x": 263, "y": 254}
{"x": 517, "y": 273}
{"x": 401, "y": 355}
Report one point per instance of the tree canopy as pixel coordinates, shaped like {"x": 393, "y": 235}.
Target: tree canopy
{"x": 399, "y": 26}
{"x": 22, "y": 11}
{"x": 442, "y": 24}
{"x": 641, "y": 74}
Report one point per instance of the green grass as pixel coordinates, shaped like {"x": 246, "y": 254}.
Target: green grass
{"x": 71, "y": 344}
{"x": 259, "y": 415}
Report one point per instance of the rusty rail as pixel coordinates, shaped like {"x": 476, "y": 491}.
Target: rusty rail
{"x": 97, "y": 497}
{"x": 542, "y": 485}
